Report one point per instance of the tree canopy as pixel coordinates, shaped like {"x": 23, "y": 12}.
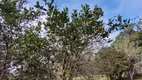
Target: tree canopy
{"x": 111, "y": 63}
{"x": 53, "y": 49}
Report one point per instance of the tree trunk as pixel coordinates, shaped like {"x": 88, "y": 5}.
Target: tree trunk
{"x": 131, "y": 71}
{"x": 64, "y": 75}
{"x": 64, "y": 69}
{"x": 3, "y": 74}
{"x": 111, "y": 77}
{"x": 71, "y": 76}
{"x": 120, "y": 76}
{"x": 131, "y": 74}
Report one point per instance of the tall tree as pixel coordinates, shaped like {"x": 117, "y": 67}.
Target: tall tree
{"x": 130, "y": 42}
{"x": 13, "y": 17}
{"x": 71, "y": 36}
{"x": 57, "y": 54}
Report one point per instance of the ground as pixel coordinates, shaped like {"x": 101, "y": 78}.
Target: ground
{"x": 104, "y": 78}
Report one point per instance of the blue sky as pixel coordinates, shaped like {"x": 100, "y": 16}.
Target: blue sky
{"x": 127, "y": 8}
{"x": 111, "y": 8}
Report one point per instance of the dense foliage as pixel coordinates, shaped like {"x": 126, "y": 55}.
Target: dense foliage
{"x": 58, "y": 48}
{"x": 111, "y": 63}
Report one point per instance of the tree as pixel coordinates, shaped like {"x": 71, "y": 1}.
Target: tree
{"x": 112, "y": 63}
{"x": 13, "y": 18}
{"x": 36, "y": 58}
{"x": 58, "y": 54}
{"x": 71, "y": 36}
{"x": 131, "y": 45}
{"x": 130, "y": 41}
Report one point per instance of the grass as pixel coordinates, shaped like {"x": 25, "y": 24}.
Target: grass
{"x": 95, "y": 78}
{"x": 104, "y": 78}
{"x": 138, "y": 78}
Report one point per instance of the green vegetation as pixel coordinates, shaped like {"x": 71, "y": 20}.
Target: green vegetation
{"x": 111, "y": 63}
{"x": 105, "y": 78}
{"x": 62, "y": 46}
